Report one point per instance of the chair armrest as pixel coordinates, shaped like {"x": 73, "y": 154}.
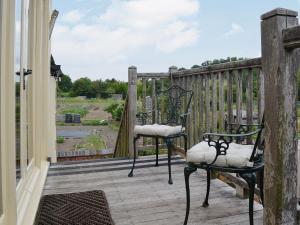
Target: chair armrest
{"x": 221, "y": 141}
{"x": 236, "y": 128}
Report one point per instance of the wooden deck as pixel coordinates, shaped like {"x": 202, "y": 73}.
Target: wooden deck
{"x": 147, "y": 198}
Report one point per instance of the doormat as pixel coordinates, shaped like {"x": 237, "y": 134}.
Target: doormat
{"x": 83, "y": 208}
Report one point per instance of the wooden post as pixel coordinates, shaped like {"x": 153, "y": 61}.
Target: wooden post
{"x": 172, "y": 69}
{"x": 132, "y": 99}
{"x": 280, "y": 68}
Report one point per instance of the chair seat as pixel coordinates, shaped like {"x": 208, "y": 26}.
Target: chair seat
{"x": 157, "y": 130}
{"x": 238, "y": 155}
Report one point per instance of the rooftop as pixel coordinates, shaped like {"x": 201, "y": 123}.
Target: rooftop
{"x": 147, "y": 198}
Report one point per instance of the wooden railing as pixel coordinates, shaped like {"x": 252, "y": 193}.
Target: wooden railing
{"x": 228, "y": 92}
{"x": 121, "y": 148}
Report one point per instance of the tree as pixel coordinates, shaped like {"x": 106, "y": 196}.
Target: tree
{"x": 65, "y": 84}
{"x": 83, "y": 87}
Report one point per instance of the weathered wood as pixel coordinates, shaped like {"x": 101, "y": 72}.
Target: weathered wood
{"x": 194, "y": 112}
{"x": 132, "y": 100}
{"x": 121, "y": 147}
{"x": 207, "y": 103}
{"x": 239, "y": 95}
{"x": 291, "y": 37}
{"x": 214, "y": 103}
{"x": 280, "y": 68}
{"x": 172, "y": 69}
{"x": 238, "y": 65}
{"x": 153, "y": 75}
{"x": 146, "y": 200}
{"x": 201, "y": 107}
{"x": 196, "y": 109}
{"x": 229, "y": 97}
{"x": 261, "y": 94}
{"x": 249, "y": 93}
{"x": 153, "y": 95}
{"x": 221, "y": 101}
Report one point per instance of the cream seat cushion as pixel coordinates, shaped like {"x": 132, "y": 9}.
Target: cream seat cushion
{"x": 237, "y": 155}
{"x": 157, "y": 130}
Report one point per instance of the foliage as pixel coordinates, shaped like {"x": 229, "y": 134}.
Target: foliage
{"x": 82, "y": 111}
{"x": 82, "y": 87}
{"x": 65, "y": 84}
{"x": 60, "y": 140}
{"x": 116, "y": 110}
{"x": 94, "y": 122}
{"x": 152, "y": 152}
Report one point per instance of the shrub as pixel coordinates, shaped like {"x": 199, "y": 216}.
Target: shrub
{"x": 116, "y": 110}
{"x": 60, "y": 140}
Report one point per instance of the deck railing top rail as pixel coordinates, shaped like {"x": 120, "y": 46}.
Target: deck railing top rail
{"x": 237, "y": 65}
{"x": 153, "y": 75}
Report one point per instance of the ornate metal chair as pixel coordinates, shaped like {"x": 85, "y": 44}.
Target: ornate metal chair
{"x": 171, "y": 115}
{"x": 218, "y": 152}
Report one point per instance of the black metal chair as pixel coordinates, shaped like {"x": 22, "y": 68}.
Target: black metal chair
{"x": 218, "y": 152}
{"x": 171, "y": 115}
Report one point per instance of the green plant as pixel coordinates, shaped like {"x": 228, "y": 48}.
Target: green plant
{"x": 116, "y": 110}
{"x": 94, "y": 122}
{"x": 60, "y": 140}
{"x": 76, "y": 110}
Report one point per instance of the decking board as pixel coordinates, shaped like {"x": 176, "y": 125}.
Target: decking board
{"x": 148, "y": 199}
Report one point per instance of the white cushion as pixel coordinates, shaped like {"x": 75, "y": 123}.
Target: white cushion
{"x": 237, "y": 155}
{"x": 157, "y": 130}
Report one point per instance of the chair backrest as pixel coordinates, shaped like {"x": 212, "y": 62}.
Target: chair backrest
{"x": 260, "y": 140}
{"x": 171, "y": 104}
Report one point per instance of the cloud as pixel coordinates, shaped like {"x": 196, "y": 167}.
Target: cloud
{"x": 124, "y": 29}
{"x": 73, "y": 16}
{"x": 235, "y": 29}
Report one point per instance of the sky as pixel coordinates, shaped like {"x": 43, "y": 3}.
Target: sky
{"x": 100, "y": 39}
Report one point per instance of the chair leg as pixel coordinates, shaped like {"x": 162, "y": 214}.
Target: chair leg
{"x": 185, "y": 143}
{"x": 261, "y": 188}
{"x": 208, "y": 177}
{"x": 156, "y": 164}
{"x": 134, "y": 157}
{"x": 250, "y": 178}
{"x": 169, "y": 145}
{"x": 188, "y": 170}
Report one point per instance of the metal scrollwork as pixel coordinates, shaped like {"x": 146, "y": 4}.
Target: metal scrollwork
{"x": 221, "y": 144}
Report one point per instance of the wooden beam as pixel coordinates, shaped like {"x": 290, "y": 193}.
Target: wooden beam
{"x": 291, "y": 37}
{"x": 132, "y": 101}
{"x": 280, "y": 69}
{"x": 238, "y": 65}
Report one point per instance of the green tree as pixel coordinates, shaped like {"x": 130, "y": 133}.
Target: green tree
{"x": 65, "y": 84}
{"x": 83, "y": 87}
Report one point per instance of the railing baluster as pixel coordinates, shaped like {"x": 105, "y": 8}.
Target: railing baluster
{"x": 261, "y": 94}
{"x": 239, "y": 95}
{"x": 229, "y": 97}
{"x": 201, "y": 107}
{"x": 214, "y": 103}
{"x": 221, "y": 101}
{"x": 207, "y": 103}
{"x": 144, "y": 95}
{"x": 196, "y": 109}
{"x": 249, "y": 92}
